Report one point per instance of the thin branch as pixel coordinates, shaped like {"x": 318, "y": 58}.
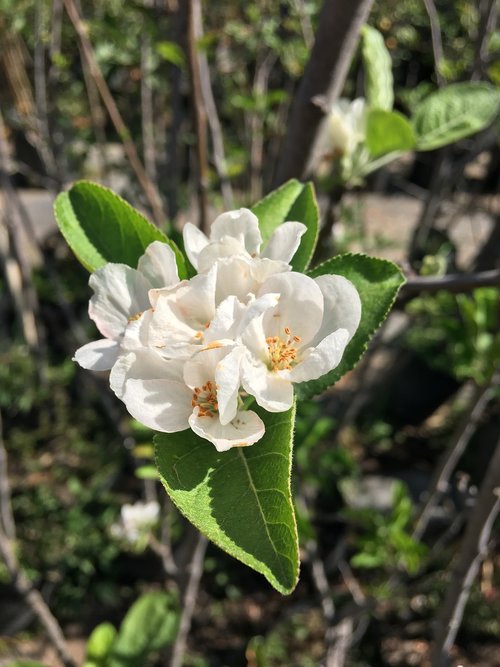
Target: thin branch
{"x": 339, "y": 24}
{"x": 212, "y": 116}
{"x": 6, "y": 514}
{"x": 148, "y": 187}
{"x": 472, "y": 552}
{"x": 456, "y": 283}
{"x": 451, "y": 457}
{"x": 199, "y": 110}
{"x": 21, "y": 582}
{"x": 259, "y": 89}
{"x": 147, "y": 104}
{"x": 488, "y": 16}
{"x": 437, "y": 41}
{"x": 189, "y": 601}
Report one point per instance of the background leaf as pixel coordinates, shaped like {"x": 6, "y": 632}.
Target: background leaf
{"x": 387, "y": 132}
{"x": 100, "y": 643}
{"x": 239, "y": 499}
{"x": 453, "y": 113}
{"x": 101, "y": 227}
{"x": 378, "y": 282}
{"x": 377, "y": 64}
{"x": 150, "y": 624}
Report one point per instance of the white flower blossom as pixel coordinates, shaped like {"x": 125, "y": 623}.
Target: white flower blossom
{"x": 120, "y": 296}
{"x": 300, "y": 338}
{"x": 136, "y": 521}
{"x": 201, "y": 393}
{"x": 341, "y": 132}
{"x": 237, "y": 233}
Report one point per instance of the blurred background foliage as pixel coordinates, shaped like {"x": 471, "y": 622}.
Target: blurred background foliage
{"x": 365, "y": 452}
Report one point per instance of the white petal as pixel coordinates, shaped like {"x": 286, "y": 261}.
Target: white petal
{"x": 271, "y": 391}
{"x": 245, "y": 429}
{"x": 120, "y": 293}
{"x": 300, "y": 308}
{"x": 242, "y": 225}
{"x": 194, "y": 241}
{"x": 342, "y": 306}
{"x": 225, "y": 247}
{"x": 284, "y": 241}
{"x": 152, "y": 390}
{"x": 158, "y": 265}
{"x": 321, "y": 359}
{"x": 162, "y": 405}
{"x": 99, "y": 355}
{"x": 227, "y": 381}
{"x": 226, "y": 320}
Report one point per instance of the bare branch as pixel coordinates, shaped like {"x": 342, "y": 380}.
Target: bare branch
{"x": 456, "y": 283}
{"x": 212, "y": 116}
{"x": 23, "y": 586}
{"x": 191, "y": 592}
{"x": 149, "y": 188}
{"x": 336, "y": 39}
{"x": 437, "y": 42}
{"x": 472, "y": 553}
{"x": 199, "y": 110}
{"x": 451, "y": 457}
{"x": 488, "y": 16}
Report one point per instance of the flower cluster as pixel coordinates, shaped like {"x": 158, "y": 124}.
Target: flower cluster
{"x": 197, "y": 353}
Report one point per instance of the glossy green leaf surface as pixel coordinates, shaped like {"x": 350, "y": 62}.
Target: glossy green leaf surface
{"x": 101, "y": 227}
{"x": 239, "y": 499}
{"x": 378, "y": 282}
{"x": 454, "y": 112}
{"x": 275, "y": 207}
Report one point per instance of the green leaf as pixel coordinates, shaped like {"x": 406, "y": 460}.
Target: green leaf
{"x": 150, "y": 624}
{"x": 453, "y": 113}
{"x": 101, "y": 227}
{"x": 387, "y": 132}
{"x": 239, "y": 499}
{"x": 305, "y": 210}
{"x": 378, "y": 70}
{"x": 100, "y": 642}
{"x": 378, "y": 282}
{"x": 171, "y": 52}
{"x": 274, "y": 208}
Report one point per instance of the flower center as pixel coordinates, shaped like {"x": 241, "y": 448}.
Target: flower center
{"x": 282, "y": 351}
{"x": 205, "y": 398}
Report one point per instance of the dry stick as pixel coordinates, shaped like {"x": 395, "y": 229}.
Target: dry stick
{"x": 41, "y": 94}
{"x": 339, "y": 24}
{"x": 437, "y": 42}
{"x": 455, "y": 283}
{"x": 189, "y": 601}
{"x": 21, "y": 582}
{"x": 199, "y": 110}
{"x": 472, "y": 552}
{"x": 259, "y": 89}
{"x": 219, "y": 153}
{"x": 147, "y": 104}
{"x": 149, "y": 188}
{"x": 488, "y": 14}
{"x": 451, "y": 457}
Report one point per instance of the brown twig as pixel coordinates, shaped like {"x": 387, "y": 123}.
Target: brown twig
{"x": 472, "y": 552}
{"x": 147, "y": 104}
{"x": 488, "y": 16}
{"x": 256, "y": 125}
{"x": 200, "y": 112}
{"x": 195, "y": 569}
{"x": 148, "y": 187}
{"x": 214, "y": 123}
{"x": 456, "y": 283}
{"x": 339, "y": 24}
{"x": 21, "y": 582}
{"x": 436, "y": 39}
{"x": 451, "y": 457}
